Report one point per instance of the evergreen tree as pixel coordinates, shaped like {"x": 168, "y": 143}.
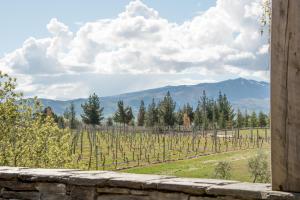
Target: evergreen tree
{"x": 141, "y": 114}
{"x": 152, "y": 114}
{"x": 246, "y": 120}
{"x": 198, "y": 116}
{"x": 211, "y": 114}
{"x": 228, "y": 112}
{"x": 262, "y": 120}
{"x": 253, "y": 120}
{"x": 188, "y": 109}
{"x": 66, "y": 113}
{"x": 166, "y": 110}
{"x": 123, "y": 115}
{"x": 221, "y": 101}
{"x": 222, "y": 121}
{"x": 216, "y": 113}
{"x": 268, "y": 120}
{"x": 179, "y": 117}
{"x": 48, "y": 112}
{"x": 210, "y": 110}
{"x": 120, "y": 114}
{"x": 60, "y": 122}
{"x": 70, "y": 115}
{"x": 239, "y": 119}
{"x": 92, "y": 111}
{"x": 109, "y": 121}
{"x": 204, "y": 105}
{"x": 129, "y": 116}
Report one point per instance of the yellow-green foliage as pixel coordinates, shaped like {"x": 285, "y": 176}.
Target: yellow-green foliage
{"x": 26, "y": 137}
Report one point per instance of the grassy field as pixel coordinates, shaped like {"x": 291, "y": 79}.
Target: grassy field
{"x": 203, "y": 167}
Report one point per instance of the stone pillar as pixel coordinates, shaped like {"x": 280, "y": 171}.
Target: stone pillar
{"x": 285, "y": 95}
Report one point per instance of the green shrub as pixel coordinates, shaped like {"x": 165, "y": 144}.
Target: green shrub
{"x": 259, "y": 167}
{"x": 223, "y": 170}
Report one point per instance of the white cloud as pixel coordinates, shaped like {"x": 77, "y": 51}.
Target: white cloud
{"x": 62, "y": 91}
{"x": 136, "y": 9}
{"x": 57, "y": 28}
{"x": 32, "y": 58}
{"x": 223, "y": 40}
{"x": 264, "y": 49}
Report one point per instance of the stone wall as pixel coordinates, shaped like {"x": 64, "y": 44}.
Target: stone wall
{"x": 63, "y": 184}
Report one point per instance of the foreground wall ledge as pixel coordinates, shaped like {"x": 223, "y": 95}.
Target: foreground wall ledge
{"x": 66, "y": 184}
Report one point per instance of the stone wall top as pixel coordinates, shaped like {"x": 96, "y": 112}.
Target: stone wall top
{"x": 23, "y": 179}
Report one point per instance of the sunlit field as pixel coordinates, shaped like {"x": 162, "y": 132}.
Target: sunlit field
{"x": 118, "y": 148}
{"x": 204, "y": 166}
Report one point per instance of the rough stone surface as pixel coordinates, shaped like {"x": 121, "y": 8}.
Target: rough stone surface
{"x": 17, "y": 185}
{"x": 63, "y": 184}
{"x": 82, "y": 193}
{"x": 240, "y": 190}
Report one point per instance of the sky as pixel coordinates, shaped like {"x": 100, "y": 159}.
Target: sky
{"x": 70, "y": 49}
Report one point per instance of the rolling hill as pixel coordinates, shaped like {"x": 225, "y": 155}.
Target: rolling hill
{"x": 242, "y": 93}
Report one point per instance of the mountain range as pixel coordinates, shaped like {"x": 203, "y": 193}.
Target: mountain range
{"x": 244, "y": 94}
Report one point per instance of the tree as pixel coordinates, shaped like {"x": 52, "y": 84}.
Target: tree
{"x": 216, "y": 114}
{"x": 204, "y": 105}
{"x": 222, "y": 122}
{"x": 141, "y": 114}
{"x": 186, "y": 121}
{"x": 221, "y": 110}
{"x": 259, "y": 168}
{"x": 109, "y": 121}
{"x": 246, "y": 119}
{"x": 198, "y": 116}
{"x": 266, "y": 16}
{"x": 239, "y": 119}
{"x": 129, "y": 116}
{"x": 27, "y": 137}
{"x": 70, "y": 115}
{"x": 60, "y": 122}
{"x": 253, "y": 120}
{"x": 188, "y": 109}
{"x": 152, "y": 114}
{"x": 92, "y": 111}
{"x": 120, "y": 114}
{"x": 262, "y": 119}
{"x": 123, "y": 115}
{"x": 166, "y": 110}
{"x": 179, "y": 117}
{"x": 210, "y": 113}
{"x": 228, "y": 112}
{"x": 268, "y": 120}
{"x": 48, "y": 112}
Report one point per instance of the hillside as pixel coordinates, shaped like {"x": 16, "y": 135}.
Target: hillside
{"x": 243, "y": 94}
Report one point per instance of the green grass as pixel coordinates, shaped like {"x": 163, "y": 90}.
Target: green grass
{"x": 203, "y": 167}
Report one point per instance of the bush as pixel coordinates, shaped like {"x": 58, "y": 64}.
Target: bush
{"x": 223, "y": 170}
{"x": 259, "y": 167}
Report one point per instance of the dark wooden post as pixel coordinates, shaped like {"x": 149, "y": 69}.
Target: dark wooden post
{"x": 285, "y": 95}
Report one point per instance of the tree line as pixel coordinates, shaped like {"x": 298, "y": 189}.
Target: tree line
{"x": 209, "y": 113}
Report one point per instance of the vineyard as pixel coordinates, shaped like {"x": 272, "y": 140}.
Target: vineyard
{"x": 115, "y": 148}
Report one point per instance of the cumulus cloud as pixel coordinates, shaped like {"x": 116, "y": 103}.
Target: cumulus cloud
{"x": 224, "y": 39}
